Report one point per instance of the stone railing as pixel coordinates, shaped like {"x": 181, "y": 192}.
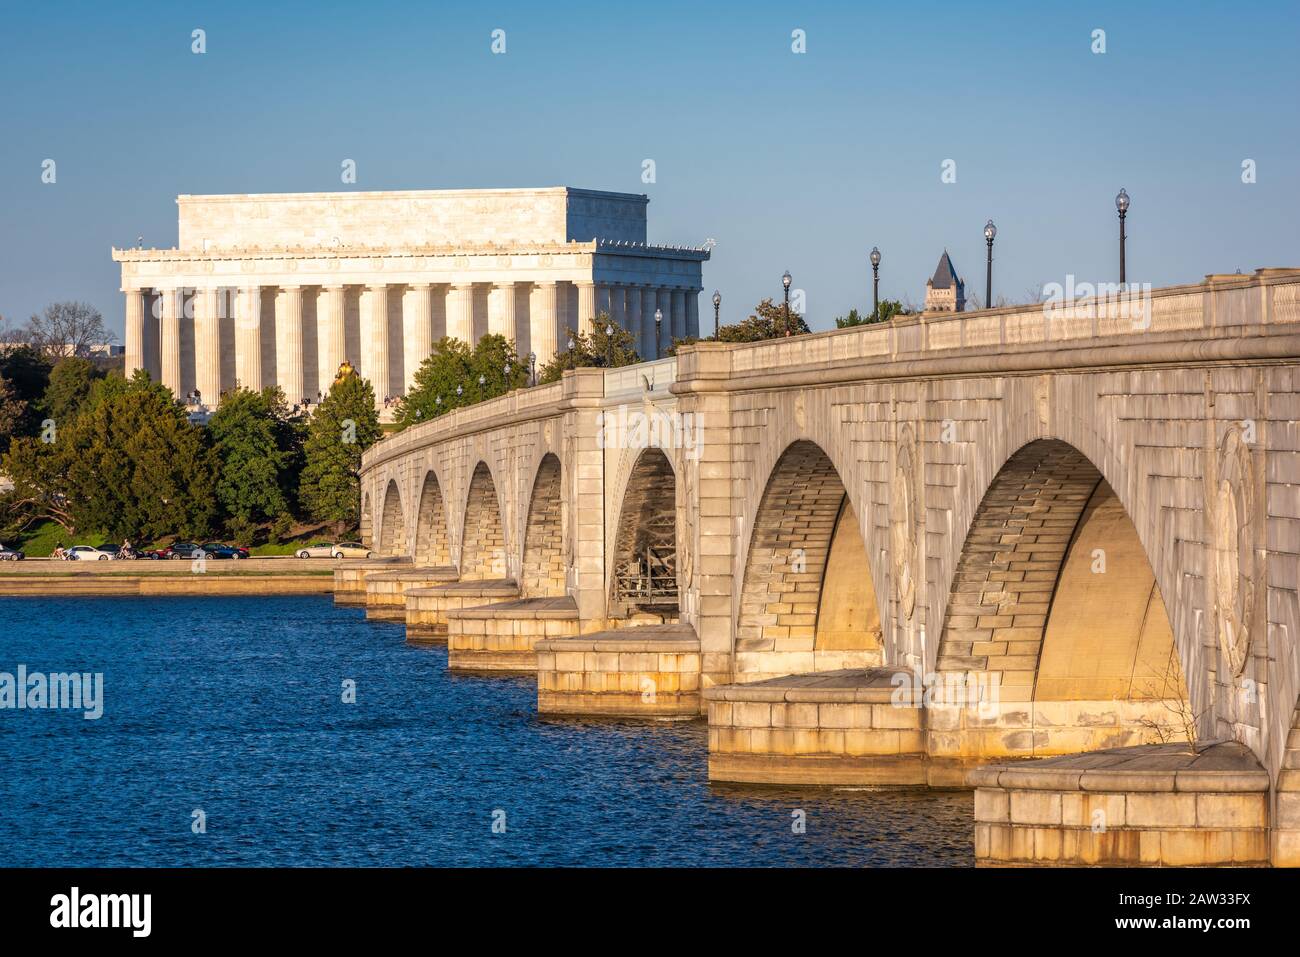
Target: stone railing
{"x": 628, "y": 381}
{"x": 1269, "y": 296}
{"x": 1217, "y": 307}
{"x": 468, "y": 418}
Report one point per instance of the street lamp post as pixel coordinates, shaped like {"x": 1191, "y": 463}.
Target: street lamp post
{"x": 1121, "y": 204}
{"x": 875, "y": 282}
{"x": 717, "y": 304}
{"x": 785, "y": 282}
{"x": 532, "y": 364}
{"x": 573, "y": 360}
{"x": 609, "y": 345}
{"x": 990, "y": 231}
{"x": 659, "y": 323}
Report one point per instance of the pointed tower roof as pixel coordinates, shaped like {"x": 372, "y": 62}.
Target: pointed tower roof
{"x": 945, "y": 276}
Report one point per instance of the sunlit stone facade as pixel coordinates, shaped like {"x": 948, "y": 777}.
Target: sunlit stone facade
{"x": 281, "y": 288}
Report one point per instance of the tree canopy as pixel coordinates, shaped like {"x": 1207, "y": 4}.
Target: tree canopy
{"x": 888, "y": 309}
{"x": 247, "y": 434}
{"x": 452, "y": 365}
{"x": 128, "y": 462}
{"x": 596, "y": 349}
{"x": 344, "y": 425}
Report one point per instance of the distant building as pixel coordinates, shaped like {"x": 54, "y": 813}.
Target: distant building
{"x": 945, "y": 291}
{"x": 281, "y": 288}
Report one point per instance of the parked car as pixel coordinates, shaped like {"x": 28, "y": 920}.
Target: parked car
{"x": 340, "y": 550}
{"x": 8, "y": 554}
{"x": 219, "y": 550}
{"x": 352, "y": 550}
{"x": 179, "y": 550}
{"x": 90, "y": 553}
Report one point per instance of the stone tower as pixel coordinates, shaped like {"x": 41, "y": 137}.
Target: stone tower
{"x": 945, "y": 291}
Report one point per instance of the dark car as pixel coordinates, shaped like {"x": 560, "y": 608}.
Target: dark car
{"x": 218, "y": 550}
{"x": 179, "y": 550}
{"x": 8, "y": 554}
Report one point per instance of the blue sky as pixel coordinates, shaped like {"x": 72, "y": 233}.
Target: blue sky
{"x": 789, "y": 161}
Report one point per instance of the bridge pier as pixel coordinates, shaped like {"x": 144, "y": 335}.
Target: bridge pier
{"x": 647, "y": 671}
{"x": 1146, "y": 806}
{"x": 386, "y": 590}
{"x": 427, "y": 608}
{"x": 504, "y": 636}
{"x": 350, "y": 578}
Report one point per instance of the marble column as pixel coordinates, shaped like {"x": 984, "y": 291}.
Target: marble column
{"x": 543, "y": 321}
{"x": 460, "y": 312}
{"x": 693, "y": 313}
{"x": 664, "y": 298}
{"x": 172, "y": 306}
{"x": 374, "y": 340}
{"x": 618, "y": 306}
{"x": 649, "y": 302}
{"x": 679, "y": 313}
{"x": 134, "y": 331}
{"x": 248, "y": 338}
{"x": 331, "y": 342}
{"x": 501, "y": 311}
{"x": 603, "y": 303}
{"x": 586, "y": 305}
{"x": 635, "y": 321}
{"x": 288, "y": 343}
{"x": 207, "y": 346}
{"x": 417, "y": 329}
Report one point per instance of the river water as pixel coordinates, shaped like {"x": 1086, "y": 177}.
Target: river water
{"x": 230, "y": 711}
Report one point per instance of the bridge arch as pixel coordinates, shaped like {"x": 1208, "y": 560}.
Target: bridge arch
{"x": 808, "y": 601}
{"x": 1054, "y": 591}
{"x": 644, "y": 561}
{"x": 543, "y": 572}
{"x": 432, "y": 538}
{"x": 483, "y": 544}
{"x": 392, "y": 522}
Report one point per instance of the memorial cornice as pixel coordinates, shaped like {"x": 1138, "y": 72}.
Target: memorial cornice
{"x": 603, "y": 247}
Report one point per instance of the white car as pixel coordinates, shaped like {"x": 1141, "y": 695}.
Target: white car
{"x": 341, "y": 550}
{"x": 89, "y": 553}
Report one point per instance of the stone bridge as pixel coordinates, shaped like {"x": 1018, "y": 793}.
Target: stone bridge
{"x": 1034, "y": 551}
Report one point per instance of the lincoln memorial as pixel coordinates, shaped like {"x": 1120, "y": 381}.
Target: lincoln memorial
{"x": 280, "y": 289}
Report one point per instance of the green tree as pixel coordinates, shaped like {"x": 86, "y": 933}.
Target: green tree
{"x": 595, "y": 350}
{"x": 70, "y": 384}
{"x": 453, "y": 365}
{"x": 130, "y": 463}
{"x": 28, "y": 375}
{"x": 887, "y": 310}
{"x": 344, "y": 426}
{"x": 768, "y": 321}
{"x": 250, "y": 484}
{"x": 13, "y": 411}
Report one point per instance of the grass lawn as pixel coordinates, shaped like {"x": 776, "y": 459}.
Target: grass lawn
{"x": 39, "y": 540}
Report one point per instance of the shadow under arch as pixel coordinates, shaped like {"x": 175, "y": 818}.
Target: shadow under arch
{"x": 483, "y": 546}
{"x": 807, "y": 599}
{"x": 644, "y": 560}
{"x": 543, "y": 574}
{"x": 432, "y": 539}
{"x": 392, "y": 522}
{"x": 1054, "y": 596}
